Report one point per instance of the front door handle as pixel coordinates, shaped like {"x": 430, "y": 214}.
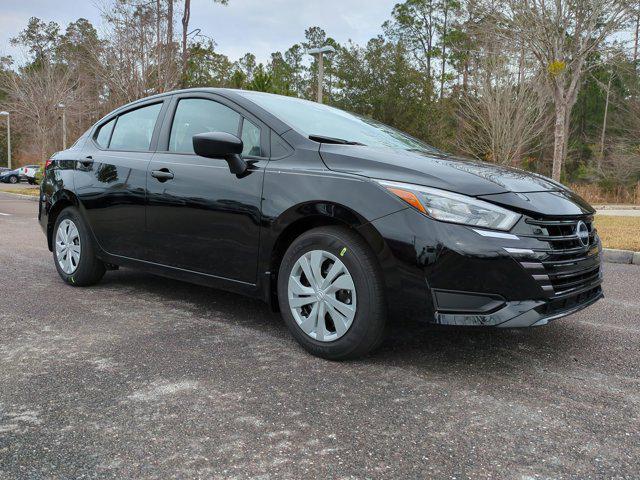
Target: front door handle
{"x": 87, "y": 161}
{"x": 162, "y": 175}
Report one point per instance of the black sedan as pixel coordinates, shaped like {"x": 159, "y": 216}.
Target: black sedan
{"x": 339, "y": 222}
{"x": 10, "y": 176}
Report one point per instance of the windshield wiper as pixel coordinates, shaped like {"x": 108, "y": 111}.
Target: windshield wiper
{"x": 432, "y": 151}
{"x": 338, "y": 141}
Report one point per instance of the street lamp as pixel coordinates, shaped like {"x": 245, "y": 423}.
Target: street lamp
{"x": 320, "y": 53}
{"x": 64, "y": 126}
{"x": 6, "y": 114}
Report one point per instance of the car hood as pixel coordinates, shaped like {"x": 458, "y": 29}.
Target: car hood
{"x": 433, "y": 170}
{"x": 525, "y": 192}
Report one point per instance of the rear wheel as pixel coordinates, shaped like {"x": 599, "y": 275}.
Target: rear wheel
{"x": 331, "y": 294}
{"x": 74, "y": 252}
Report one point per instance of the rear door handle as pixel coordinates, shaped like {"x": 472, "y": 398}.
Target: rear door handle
{"x": 87, "y": 161}
{"x": 162, "y": 175}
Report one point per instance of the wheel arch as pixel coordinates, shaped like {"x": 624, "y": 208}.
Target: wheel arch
{"x": 60, "y": 200}
{"x": 304, "y": 217}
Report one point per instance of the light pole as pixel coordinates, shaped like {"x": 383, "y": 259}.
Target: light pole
{"x": 6, "y": 114}
{"x": 64, "y": 126}
{"x": 320, "y": 53}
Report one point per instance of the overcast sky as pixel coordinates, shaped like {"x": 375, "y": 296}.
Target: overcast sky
{"x": 258, "y": 26}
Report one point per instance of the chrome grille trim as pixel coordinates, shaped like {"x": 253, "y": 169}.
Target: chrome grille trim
{"x": 566, "y": 268}
{"x": 532, "y": 221}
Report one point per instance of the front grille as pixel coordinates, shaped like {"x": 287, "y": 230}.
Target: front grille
{"x": 562, "y": 235}
{"x": 565, "y": 267}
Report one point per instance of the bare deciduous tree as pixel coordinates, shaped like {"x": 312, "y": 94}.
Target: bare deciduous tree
{"x": 129, "y": 65}
{"x": 503, "y": 120}
{"x": 33, "y": 96}
{"x": 622, "y": 166}
{"x": 561, "y": 34}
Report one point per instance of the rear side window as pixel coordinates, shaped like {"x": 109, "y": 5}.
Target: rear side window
{"x": 104, "y": 134}
{"x": 81, "y": 140}
{"x": 198, "y": 115}
{"x": 133, "y": 130}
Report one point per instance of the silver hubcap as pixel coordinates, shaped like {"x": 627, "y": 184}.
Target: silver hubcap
{"x": 68, "y": 246}
{"x": 322, "y": 296}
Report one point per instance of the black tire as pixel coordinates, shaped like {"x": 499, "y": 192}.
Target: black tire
{"x": 13, "y": 179}
{"x": 31, "y": 182}
{"x": 90, "y": 269}
{"x": 368, "y": 327}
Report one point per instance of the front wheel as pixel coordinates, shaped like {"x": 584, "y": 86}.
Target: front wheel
{"x": 74, "y": 252}
{"x": 331, "y": 294}
{"x": 13, "y": 179}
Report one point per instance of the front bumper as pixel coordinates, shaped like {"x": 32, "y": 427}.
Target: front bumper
{"x": 452, "y": 275}
{"x": 529, "y": 313}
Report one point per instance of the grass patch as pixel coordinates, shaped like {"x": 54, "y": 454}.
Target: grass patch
{"x": 34, "y": 192}
{"x": 619, "y": 232}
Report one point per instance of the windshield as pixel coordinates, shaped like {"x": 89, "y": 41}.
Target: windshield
{"x": 314, "y": 119}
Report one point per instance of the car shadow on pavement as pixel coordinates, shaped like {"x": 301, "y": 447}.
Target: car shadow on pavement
{"x": 413, "y": 344}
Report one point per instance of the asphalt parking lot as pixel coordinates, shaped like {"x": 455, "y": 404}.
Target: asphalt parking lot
{"x": 151, "y": 378}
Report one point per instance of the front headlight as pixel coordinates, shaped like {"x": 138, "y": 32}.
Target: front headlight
{"x": 452, "y": 207}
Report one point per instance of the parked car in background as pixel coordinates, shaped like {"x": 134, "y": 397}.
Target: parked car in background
{"x": 339, "y": 222}
{"x": 29, "y": 173}
{"x": 11, "y": 176}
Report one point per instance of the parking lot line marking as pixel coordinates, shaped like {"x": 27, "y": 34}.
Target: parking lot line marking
{"x": 5, "y": 214}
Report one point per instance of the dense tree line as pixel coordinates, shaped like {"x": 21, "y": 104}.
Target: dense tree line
{"x": 548, "y": 86}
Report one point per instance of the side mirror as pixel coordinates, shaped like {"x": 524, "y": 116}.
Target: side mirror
{"x": 221, "y": 145}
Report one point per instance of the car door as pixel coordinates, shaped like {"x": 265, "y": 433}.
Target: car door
{"x": 110, "y": 179}
{"x": 200, "y": 216}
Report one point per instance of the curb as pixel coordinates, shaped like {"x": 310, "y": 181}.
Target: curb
{"x": 26, "y": 197}
{"x": 611, "y": 255}
{"x": 616, "y": 207}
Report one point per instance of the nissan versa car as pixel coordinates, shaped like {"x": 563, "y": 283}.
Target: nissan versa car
{"x": 339, "y": 222}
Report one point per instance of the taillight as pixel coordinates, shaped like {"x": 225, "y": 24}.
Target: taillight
{"x": 47, "y": 163}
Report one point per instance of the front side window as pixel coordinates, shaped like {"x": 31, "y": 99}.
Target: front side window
{"x": 133, "y": 130}
{"x": 279, "y": 148}
{"x": 199, "y": 115}
{"x": 250, "y": 139}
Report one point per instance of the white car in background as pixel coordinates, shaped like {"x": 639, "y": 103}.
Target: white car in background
{"x": 29, "y": 172}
